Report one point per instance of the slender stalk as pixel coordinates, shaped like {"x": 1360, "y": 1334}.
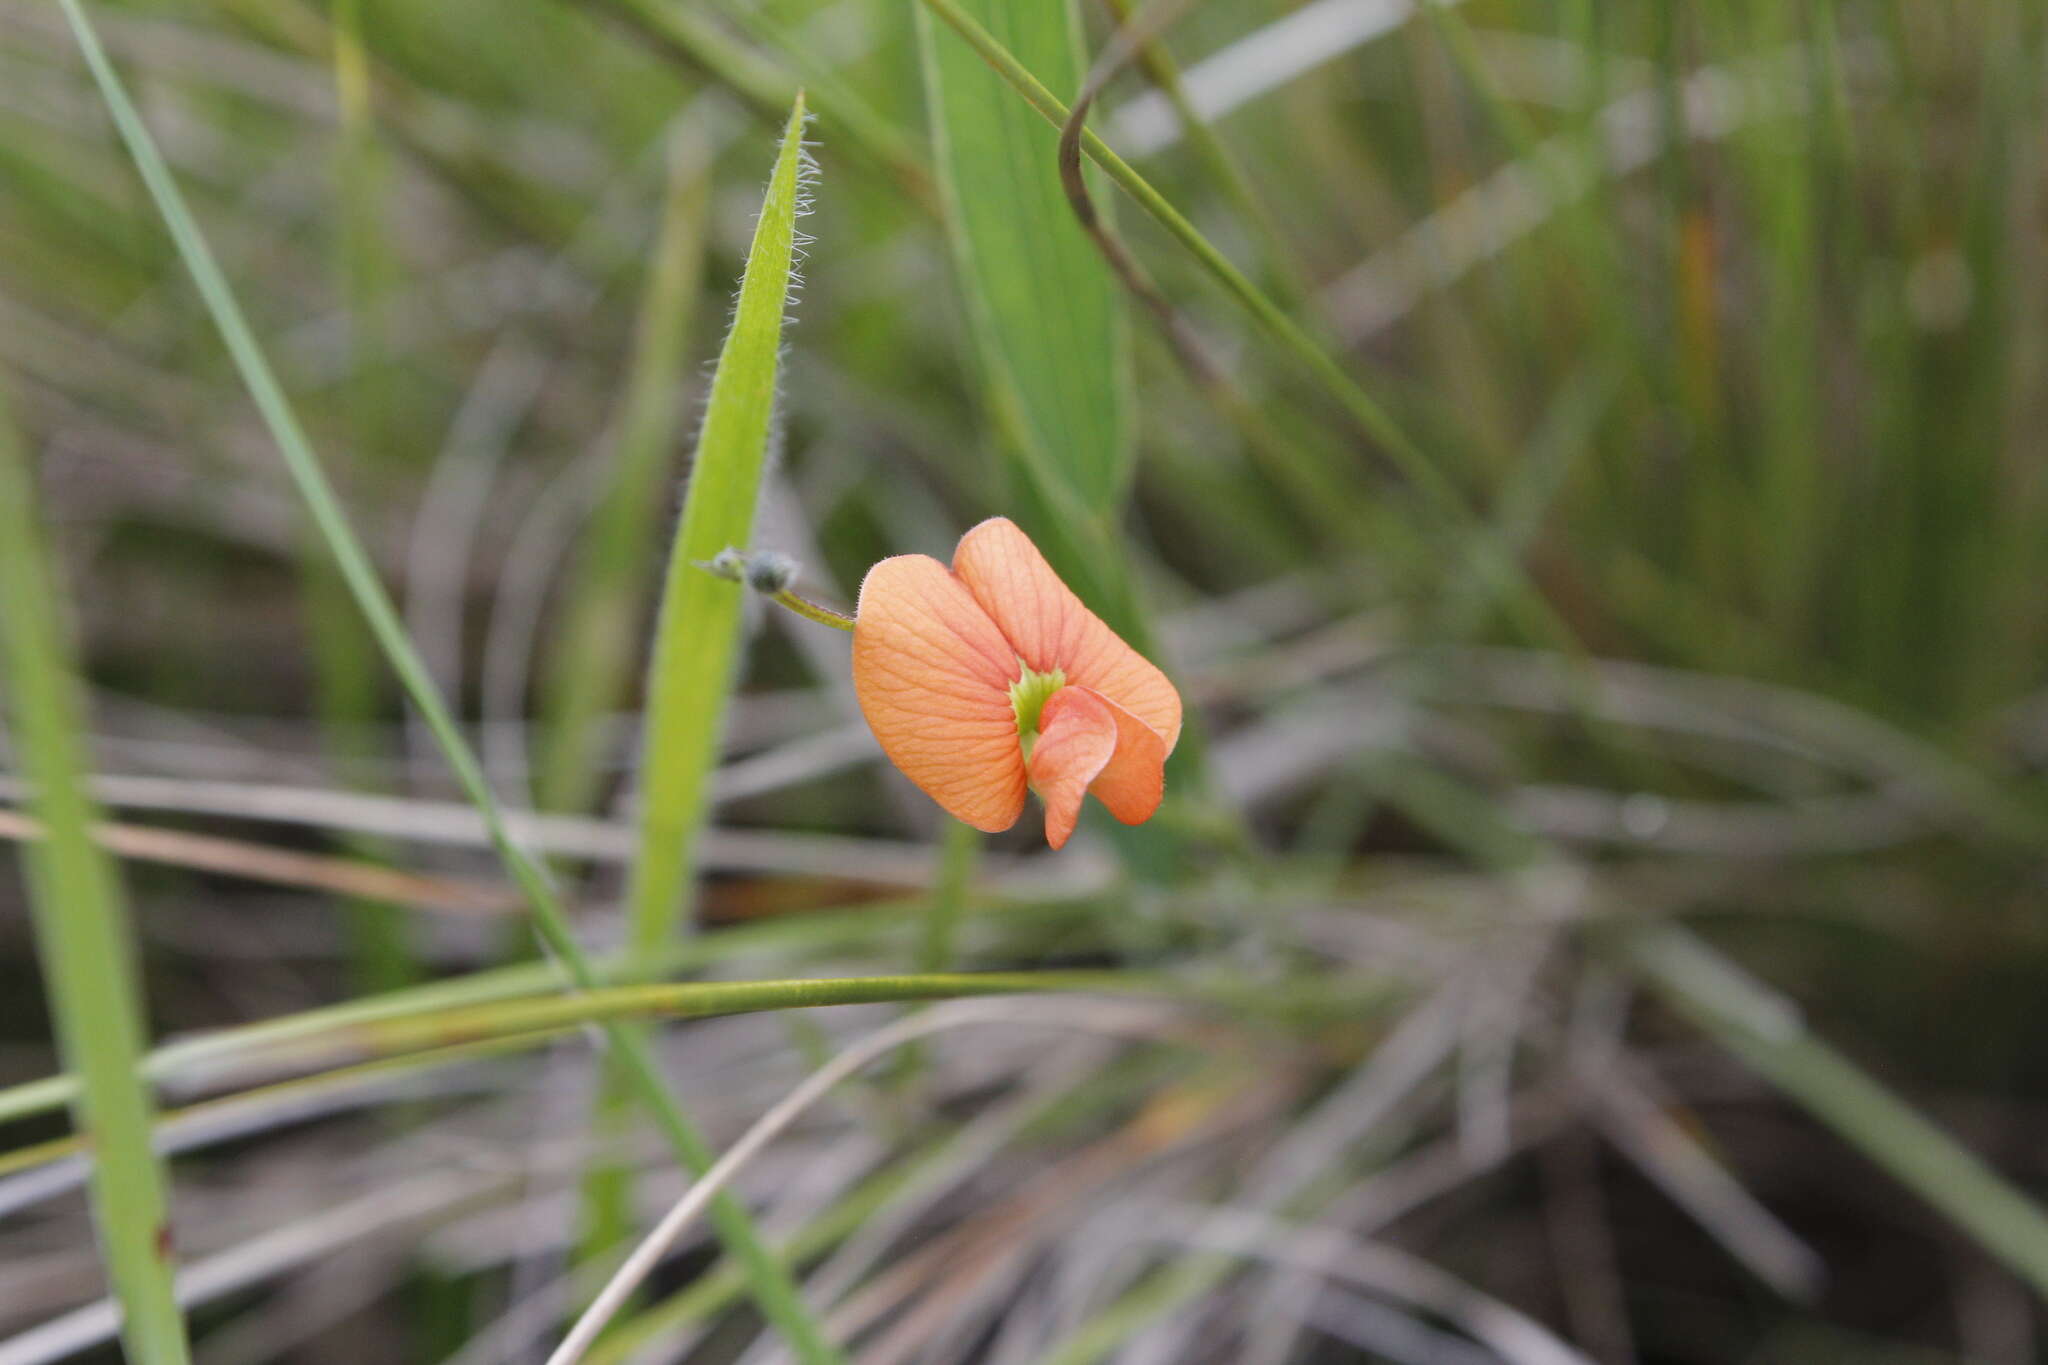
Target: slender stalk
{"x": 832, "y": 931}
{"x": 959, "y": 851}
{"x": 816, "y": 612}
{"x": 348, "y": 1056}
{"x": 1361, "y": 406}
{"x": 82, "y": 934}
{"x": 771, "y": 1283}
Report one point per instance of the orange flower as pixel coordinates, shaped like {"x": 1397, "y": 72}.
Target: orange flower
{"x": 991, "y": 676}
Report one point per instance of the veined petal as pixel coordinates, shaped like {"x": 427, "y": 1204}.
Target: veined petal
{"x": 932, "y": 673}
{"x": 1050, "y": 627}
{"x": 1076, "y": 740}
{"x": 1134, "y": 779}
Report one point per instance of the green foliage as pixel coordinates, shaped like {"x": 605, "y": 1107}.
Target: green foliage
{"x": 1045, "y": 313}
{"x": 697, "y": 631}
{"x": 82, "y": 931}
{"x": 696, "y": 638}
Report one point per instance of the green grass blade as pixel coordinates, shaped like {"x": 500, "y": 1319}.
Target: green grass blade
{"x": 769, "y": 1278}
{"x": 599, "y": 640}
{"x": 82, "y": 934}
{"x": 1765, "y": 1031}
{"x": 876, "y": 928}
{"x": 697, "y": 636}
{"x": 1046, "y": 316}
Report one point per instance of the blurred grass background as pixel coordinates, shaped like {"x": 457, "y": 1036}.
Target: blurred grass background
{"x": 1591, "y": 492}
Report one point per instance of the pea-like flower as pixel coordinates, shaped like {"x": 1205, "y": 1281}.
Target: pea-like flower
{"x": 991, "y": 677}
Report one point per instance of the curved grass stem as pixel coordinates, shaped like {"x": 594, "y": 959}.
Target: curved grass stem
{"x": 1361, "y": 406}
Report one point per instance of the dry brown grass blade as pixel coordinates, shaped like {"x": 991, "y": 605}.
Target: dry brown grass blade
{"x": 286, "y": 867}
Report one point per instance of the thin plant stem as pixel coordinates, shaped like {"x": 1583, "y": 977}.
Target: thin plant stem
{"x": 1361, "y": 406}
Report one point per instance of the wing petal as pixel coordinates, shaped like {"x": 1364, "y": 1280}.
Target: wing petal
{"x": 932, "y": 673}
{"x": 1133, "y": 781}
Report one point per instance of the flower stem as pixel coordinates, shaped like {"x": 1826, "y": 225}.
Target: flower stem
{"x": 812, "y": 611}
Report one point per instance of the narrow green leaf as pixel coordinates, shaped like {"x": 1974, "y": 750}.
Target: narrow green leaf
{"x": 1045, "y": 312}
{"x": 1047, "y": 317}
{"x": 82, "y": 934}
{"x": 697, "y": 636}
{"x": 1765, "y": 1031}
{"x": 869, "y": 927}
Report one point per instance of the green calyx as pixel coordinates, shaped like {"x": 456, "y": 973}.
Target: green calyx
{"x": 1028, "y": 696}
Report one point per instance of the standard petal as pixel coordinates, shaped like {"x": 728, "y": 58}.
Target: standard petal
{"x": 1076, "y": 739}
{"x": 932, "y": 674}
{"x": 1051, "y": 628}
{"x": 1134, "y": 779}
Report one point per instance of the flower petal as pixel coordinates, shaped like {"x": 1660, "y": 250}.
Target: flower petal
{"x": 1076, "y": 739}
{"x": 932, "y": 674}
{"x": 1051, "y": 628}
{"x": 1134, "y": 779}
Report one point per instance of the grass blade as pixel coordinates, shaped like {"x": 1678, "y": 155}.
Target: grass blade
{"x": 1063, "y": 369}
{"x": 696, "y": 643}
{"x": 697, "y": 635}
{"x": 1765, "y": 1031}
{"x": 1057, "y": 377}
{"x": 82, "y": 934}
{"x": 179, "y": 1062}
{"x": 769, "y": 1278}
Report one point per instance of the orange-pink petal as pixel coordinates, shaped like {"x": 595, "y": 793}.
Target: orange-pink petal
{"x": 1050, "y": 628}
{"x": 1133, "y": 781}
{"x": 1076, "y": 740}
{"x": 932, "y": 673}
